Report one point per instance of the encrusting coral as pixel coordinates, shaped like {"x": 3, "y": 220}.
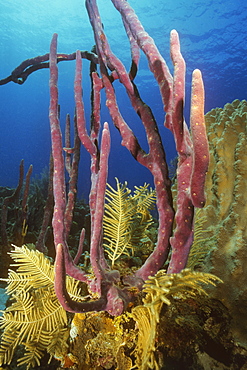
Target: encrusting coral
{"x": 221, "y": 226}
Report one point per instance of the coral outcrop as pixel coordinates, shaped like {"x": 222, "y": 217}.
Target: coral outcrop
{"x": 220, "y": 245}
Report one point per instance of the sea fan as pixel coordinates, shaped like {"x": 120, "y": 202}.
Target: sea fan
{"x": 160, "y": 289}
{"x": 126, "y": 218}
{"x": 35, "y": 312}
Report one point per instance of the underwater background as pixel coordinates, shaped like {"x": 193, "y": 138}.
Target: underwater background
{"x": 213, "y": 38}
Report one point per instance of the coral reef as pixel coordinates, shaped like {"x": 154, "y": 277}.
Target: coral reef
{"x": 162, "y": 289}
{"x": 34, "y": 217}
{"x": 221, "y": 226}
{"x": 35, "y": 317}
{"x": 140, "y": 317}
{"x": 173, "y": 321}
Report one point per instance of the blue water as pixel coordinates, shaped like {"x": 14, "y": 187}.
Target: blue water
{"x": 213, "y": 37}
